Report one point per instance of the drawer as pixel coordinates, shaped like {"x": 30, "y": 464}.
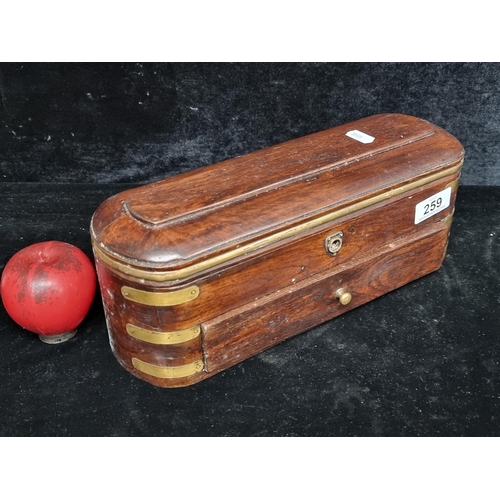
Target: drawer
{"x": 248, "y": 330}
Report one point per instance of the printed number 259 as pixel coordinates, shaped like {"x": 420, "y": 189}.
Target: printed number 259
{"x": 434, "y": 205}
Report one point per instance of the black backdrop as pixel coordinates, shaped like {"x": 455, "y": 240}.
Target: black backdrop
{"x": 422, "y": 360}
{"x": 102, "y": 123}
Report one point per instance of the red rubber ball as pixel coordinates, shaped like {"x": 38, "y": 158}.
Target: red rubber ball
{"x": 48, "y": 288}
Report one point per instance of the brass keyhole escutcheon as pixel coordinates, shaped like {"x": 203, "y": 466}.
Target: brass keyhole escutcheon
{"x": 343, "y": 296}
{"x": 333, "y": 243}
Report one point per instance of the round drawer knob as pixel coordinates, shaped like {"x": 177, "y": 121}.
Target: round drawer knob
{"x": 343, "y": 296}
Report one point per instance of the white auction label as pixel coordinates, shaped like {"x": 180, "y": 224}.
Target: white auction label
{"x": 360, "y": 136}
{"x": 432, "y": 205}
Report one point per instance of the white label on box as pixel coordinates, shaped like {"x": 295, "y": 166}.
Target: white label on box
{"x": 360, "y": 136}
{"x": 432, "y": 205}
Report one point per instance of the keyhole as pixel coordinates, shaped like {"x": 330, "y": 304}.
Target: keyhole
{"x": 333, "y": 243}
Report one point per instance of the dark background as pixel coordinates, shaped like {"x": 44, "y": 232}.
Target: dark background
{"x": 109, "y": 123}
{"x": 422, "y": 360}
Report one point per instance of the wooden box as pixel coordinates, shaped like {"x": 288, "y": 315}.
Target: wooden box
{"x": 202, "y": 270}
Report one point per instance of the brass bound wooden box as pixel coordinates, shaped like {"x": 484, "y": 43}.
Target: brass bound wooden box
{"x": 202, "y": 270}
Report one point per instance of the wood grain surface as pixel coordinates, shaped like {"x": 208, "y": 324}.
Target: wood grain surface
{"x": 258, "y": 298}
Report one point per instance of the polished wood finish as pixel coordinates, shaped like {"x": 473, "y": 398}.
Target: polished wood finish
{"x": 249, "y": 234}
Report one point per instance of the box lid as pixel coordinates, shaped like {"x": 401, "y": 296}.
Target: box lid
{"x": 191, "y": 222}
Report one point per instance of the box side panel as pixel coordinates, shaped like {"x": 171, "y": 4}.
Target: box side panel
{"x": 135, "y": 333}
{"x": 253, "y": 328}
{"x": 241, "y": 333}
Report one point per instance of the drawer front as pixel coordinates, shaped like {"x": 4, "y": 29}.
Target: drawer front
{"x": 243, "y": 332}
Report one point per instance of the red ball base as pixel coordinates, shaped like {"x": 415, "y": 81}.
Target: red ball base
{"x": 57, "y": 339}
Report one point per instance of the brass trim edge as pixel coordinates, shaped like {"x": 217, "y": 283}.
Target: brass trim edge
{"x": 161, "y": 276}
{"x": 453, "y": 184}
{"x": 447, "y": 220}
{"x": 163, "y": 338}
{"x": 160, "y": 299}
{"x": 168, "y": 371}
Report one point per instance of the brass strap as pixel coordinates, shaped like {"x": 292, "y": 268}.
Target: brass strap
{"x": 163, "y": 338}
{"x": 168, "y": 371}
{"x": 160, "y": 299}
